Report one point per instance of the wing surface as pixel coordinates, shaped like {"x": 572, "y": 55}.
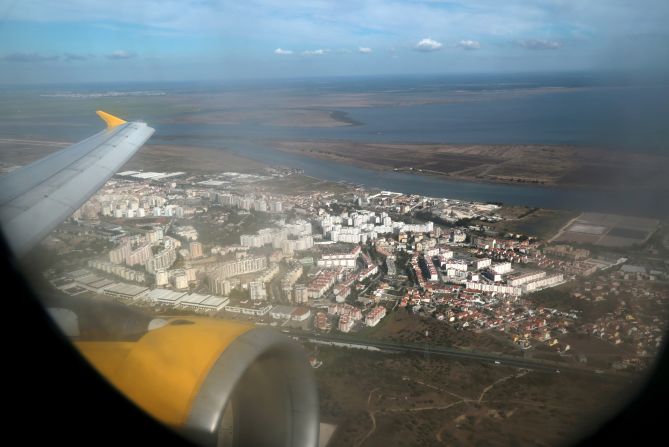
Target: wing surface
{"x": 37, "y": 197}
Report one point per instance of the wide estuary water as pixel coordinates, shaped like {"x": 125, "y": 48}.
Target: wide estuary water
{"x": 562, "y": 110}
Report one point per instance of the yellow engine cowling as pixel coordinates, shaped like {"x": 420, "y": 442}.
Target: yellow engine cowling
{"x": 216, "y": 382}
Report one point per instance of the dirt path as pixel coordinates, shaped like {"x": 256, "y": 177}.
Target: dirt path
{"x": 371, "y": 431}
{"x": 498, "y": 381}
{"x": 436, "y": 388}
{"x": 461, "y": 400}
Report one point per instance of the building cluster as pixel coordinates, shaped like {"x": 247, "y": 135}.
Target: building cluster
{"x": 130, "y": 199}
{"x": 194, "y": 301}
{"x": 375, "y": 315}
{"x": 244, "y": 265}
{"x": 637, "y": 312}
{"x": 118, "y": 270}
{"x": 83, "y": 280}
{"x": 439, "y": 265}
{"x": 289, "y": 237}
{"x": 151, "y": 250}
{"x": 322, "y": 281}
{"x": 320, "y": 259}
{"x": 345, "y": 310}
{"x": 187, "y": 232}
{"x": 290, "y": 313}
{"x": 339, "y": 258}
{"x": 250, "y": 202}
{"x": 289, "y": 279}
{"x": 364, "y": 225}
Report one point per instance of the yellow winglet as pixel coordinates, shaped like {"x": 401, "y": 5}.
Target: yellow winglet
{"x": 111, "y": 120}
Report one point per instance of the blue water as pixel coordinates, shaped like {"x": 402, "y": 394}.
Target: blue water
{"x": 633, "y": 202}
{"x": 633, "y": 118}
{"x": 609, "y": 113}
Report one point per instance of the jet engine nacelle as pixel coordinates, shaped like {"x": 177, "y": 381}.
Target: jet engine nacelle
{"x": 216, "y": 382}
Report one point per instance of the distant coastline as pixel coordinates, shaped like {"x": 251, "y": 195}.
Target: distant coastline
{"x": 535, "y": 165}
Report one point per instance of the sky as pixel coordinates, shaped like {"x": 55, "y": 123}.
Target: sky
{"x": 45, "y": 41}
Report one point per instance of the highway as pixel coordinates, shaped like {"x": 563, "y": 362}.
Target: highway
{"x": 485, "y": 357}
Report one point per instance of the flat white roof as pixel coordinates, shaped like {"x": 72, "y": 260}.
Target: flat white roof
{"x": 149, "y": 174}
{"x": 282, "y": 309}
{"x": 213, "y": 182}
{"x": 195, "y": 298}
{"x": 100, "y": 283}
{"x": 165, "y": 295}
{"x": 215, "y": 301}
{"x": 125, "y": 289}
{"x": 89, "y": 279}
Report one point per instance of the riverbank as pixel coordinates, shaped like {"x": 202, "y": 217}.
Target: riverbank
{"x": 546, "y": 165}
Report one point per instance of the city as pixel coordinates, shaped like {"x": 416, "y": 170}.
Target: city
{"x": 336, "y": 223}
{"x": 347, "y": 260}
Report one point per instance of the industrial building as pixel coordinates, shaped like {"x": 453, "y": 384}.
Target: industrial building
{"x": 164, "y": 297}
{"x": 252, "y": 311}
{"x": 203, "y": 302}
{"x": 125, "y": 291}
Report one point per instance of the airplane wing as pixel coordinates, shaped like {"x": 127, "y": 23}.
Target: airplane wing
{"x": 216, "y": 371}
{"x": 35, "y": 198}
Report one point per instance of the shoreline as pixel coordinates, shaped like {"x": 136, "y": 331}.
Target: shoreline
{"x": 33, "y": 148}
{"x": 207, "y": 159}
{"x": 522, "y": 168}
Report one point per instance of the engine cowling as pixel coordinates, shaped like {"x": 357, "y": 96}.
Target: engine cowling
{"x": 217, "y": 382}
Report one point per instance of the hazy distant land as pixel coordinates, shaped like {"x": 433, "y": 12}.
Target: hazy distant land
{"x": 150, "y": 157}
{"x": 290, "y": 117}
{"x": 382, "y": 124}
{"x": 515, "y": 164}
{"x": 288, "y": 109}
{"x": 522, "y": 164}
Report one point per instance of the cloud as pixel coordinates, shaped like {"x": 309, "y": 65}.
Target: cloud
{"x": 28, "y": 57}
{"x": 76, "y": 57}
{"x": 428, "y": 44}
{"x": 469, "y": 44}
{"x": 120, "y": 54}
{"x": 364, "y": 50}
{"x": 589, "y": 33}
{"x": 536, "y": 44}
{"x": 318, "y": 52}
{"x": 282, "y": 52}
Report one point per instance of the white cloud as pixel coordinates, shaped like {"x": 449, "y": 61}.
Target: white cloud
{"x": 282, "y": 52}
{"x": 364, "y": 50}
{"x": 254, "y": 26}
{"x": 428, "y": 44}
{"x": 467, "y": 44}
{"x": 536, "y": 44}
{"x": 318, "y": 52}
{"x": 120, "y": 54}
